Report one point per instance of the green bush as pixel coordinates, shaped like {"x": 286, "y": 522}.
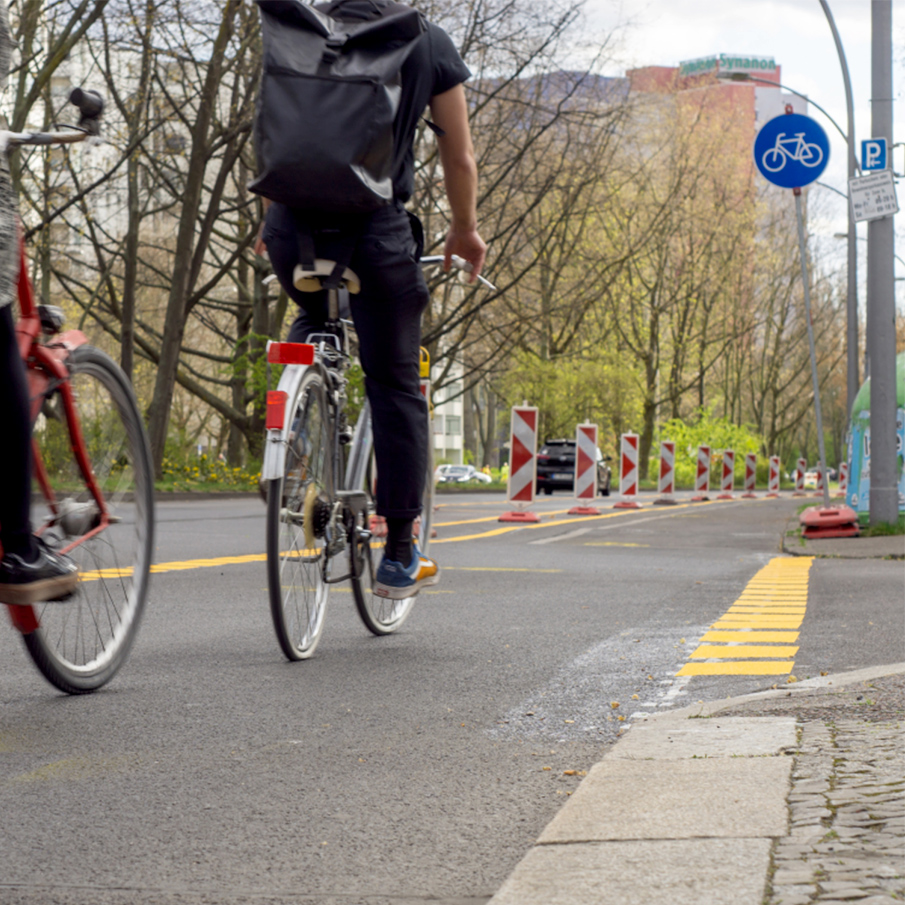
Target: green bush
{"x": 718, "y": 434}
{"x": 207, "y": 473}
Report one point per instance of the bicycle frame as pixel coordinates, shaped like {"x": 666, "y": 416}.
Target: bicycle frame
{"x": 46, "y": 371}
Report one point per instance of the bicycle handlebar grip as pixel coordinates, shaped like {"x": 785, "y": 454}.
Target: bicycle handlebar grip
{"x": 90, "y": 104}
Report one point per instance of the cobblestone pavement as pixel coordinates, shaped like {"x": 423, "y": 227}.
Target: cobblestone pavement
{"x": 847, "y": 804}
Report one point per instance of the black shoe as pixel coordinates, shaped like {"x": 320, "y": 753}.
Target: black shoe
{"x": 50, "y": 576}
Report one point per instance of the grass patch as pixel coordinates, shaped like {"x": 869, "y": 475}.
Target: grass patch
{"x": 203, "y": 474}
{"x": 884, "y": 529}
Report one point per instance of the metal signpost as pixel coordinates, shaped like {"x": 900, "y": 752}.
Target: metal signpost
{"x": 791, "y": 151}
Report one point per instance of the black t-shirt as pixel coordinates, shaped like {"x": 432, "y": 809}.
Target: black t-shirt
{"x": 433, "y": 66}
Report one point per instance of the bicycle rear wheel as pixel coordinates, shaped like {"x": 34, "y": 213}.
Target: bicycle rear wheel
{"x": 81, "y": 643}
{"x": 381, "y": 615}
{"x": 299, "y": 505}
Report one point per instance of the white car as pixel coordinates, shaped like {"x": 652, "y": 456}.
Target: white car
{"x": 460, "y": 474}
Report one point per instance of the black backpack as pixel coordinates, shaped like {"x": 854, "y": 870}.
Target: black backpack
{"x": 330, "y": 90}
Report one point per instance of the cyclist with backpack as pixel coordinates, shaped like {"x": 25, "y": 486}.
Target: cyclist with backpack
{"x": 343, "y": 88}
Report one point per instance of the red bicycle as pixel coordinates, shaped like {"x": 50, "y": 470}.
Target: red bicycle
{"x": 92, "y": 465}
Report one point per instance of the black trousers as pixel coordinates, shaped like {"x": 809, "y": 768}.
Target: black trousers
{"x": 387, "y": 315}
{"x": 15, "y": 448}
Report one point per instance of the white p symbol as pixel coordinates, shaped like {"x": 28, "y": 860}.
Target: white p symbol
{"x": 873, "y": 153}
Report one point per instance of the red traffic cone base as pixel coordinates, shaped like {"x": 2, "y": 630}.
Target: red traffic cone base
{"x": 517, "y": 516}
{"x": 829, "y": 521}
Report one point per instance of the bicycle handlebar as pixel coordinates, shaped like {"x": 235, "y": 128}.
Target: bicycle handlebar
{"x": 458, "y": 263}
{"x": 90, "y": 105}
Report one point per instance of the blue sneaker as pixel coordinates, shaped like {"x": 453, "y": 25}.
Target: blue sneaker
{"x": 397, "y": 581}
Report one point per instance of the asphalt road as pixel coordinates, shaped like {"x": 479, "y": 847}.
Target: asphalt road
{"x": 386, "y": 771}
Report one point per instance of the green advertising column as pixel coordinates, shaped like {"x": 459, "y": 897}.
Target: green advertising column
{"x": 859, "y": 446}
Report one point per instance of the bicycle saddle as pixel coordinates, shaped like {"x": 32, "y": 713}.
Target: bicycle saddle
{"x": 310, "y": 280}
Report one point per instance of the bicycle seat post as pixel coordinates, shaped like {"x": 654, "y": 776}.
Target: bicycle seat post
{"x": 333, "y": 304}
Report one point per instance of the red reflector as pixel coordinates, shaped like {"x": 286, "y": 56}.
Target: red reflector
{"x": 290, "y": 353}
{"x": 276, "y": 409}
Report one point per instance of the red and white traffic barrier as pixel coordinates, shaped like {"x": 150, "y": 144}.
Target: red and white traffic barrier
{"x": 773, "y": 478}
{"x": 800, "y": 469}
{"x": 585, "y": 482}
{"x": 750, "y": 476}
{"x": 727, "y": 480}
{"x": 702, "y": 476}
{"x": 819, "y": 490}
{"x": 522, "y": 464}
{"x": 666, "y": 485}
{"x": 628, "y": 472}
{"x": 843, "y": 481}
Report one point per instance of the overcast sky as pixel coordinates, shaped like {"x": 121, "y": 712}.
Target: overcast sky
{"x": 796, "y": 34}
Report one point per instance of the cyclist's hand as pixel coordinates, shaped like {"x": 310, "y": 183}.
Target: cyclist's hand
{"x": 467, "y": 244}
{"x": 260, "y": 248}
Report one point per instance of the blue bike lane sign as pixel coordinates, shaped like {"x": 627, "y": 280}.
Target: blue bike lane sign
{"x": 791, "y": 150}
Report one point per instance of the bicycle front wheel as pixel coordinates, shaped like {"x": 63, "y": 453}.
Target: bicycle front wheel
{"x": 381, "y": 615}
{"x": 81, "y": 643}
{"x": 299, "y": 508}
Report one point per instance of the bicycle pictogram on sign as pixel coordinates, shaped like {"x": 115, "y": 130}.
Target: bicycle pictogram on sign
{"x": 791, "y": 150}
{"x": 809, "y": 154}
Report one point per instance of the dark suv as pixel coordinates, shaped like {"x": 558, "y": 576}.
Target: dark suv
{"x": 556, "y": 468}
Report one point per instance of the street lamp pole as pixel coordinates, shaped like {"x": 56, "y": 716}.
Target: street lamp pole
{"x": 881, "y": 311}
{"x": 851, "y": 304}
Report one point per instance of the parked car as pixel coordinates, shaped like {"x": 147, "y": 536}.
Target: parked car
{"x": 460, "y": 474}
{"x": 556, "y": 468}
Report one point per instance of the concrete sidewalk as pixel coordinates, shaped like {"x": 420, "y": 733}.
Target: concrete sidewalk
{"x": 784, "y": 797}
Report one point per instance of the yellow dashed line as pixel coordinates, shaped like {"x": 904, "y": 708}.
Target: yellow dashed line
{"x": 754, "y": 637}
{"x": 775, "y": 598}
{"x": 737, "y": 668}
{"x": 727, "y": 651}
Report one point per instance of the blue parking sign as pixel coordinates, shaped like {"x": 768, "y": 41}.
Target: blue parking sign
{"x": 873, "y": 154}
{"x": 791, "y": 150}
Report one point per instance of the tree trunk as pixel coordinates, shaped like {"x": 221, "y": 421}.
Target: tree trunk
{"x": 174, "y": 326}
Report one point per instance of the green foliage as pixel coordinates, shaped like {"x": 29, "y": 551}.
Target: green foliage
{"x": 597, "y": 389}
{"x": 718, "y": 434}
{"x": 193, "y": 472}
{"x": 355, "y": 391}
{"x": 250, "y": 361}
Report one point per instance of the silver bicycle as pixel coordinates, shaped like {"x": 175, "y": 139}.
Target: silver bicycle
{"x": 320, "y": 476}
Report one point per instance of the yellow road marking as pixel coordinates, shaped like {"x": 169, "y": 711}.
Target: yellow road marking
{"x": 769, "y": 611}
{"x": 750, "y": 636}
{"x": 582, "y": 519}
{"x": 738, "y": 668}
{"x": 728, "y": 651}
{"x": 214, "y": 562}
{"x": 775, "y": 598}
{"x": 611, "y": 543}
{"x": 778, "y": 622}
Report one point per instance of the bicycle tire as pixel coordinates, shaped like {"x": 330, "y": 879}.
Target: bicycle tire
{"x": 296, "y": 572}
{"x": 382, "y": 615}
{"x": 814, "y": 151}
{"x": 82, "y": 642}
{"x": 776, "y": 157}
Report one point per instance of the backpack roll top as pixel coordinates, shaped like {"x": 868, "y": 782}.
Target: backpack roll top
{"x": 327, "y": 104}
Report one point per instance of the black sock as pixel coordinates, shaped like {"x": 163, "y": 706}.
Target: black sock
{"x": 399, "y": 540}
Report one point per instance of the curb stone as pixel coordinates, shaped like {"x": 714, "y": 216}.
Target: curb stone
{"x": 606, "y": 846}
